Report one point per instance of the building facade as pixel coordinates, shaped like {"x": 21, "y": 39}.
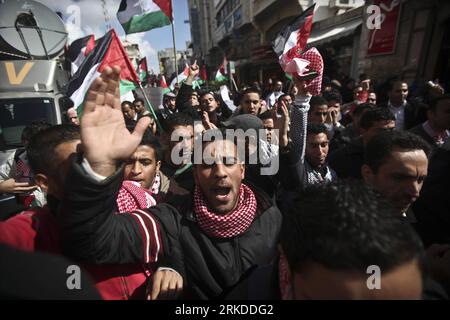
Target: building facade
{"x": 412, "y": 42}
{"x": 421, "y": 46}
{"x": 167, "y": 61}
{"x": 132, "y": 50}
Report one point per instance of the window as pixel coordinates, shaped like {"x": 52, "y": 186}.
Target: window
{"x": 15, "y": 114}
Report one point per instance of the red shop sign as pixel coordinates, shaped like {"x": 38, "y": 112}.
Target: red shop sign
{"x": 382, "y": 40}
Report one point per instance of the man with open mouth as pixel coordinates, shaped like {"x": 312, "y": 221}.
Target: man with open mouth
{"x": 213, "y": 236}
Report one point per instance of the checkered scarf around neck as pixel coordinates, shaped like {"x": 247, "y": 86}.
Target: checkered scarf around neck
{"x": 132, "y": 196}
{"x": 25, "y": 174}
{"x": 230, "y": 225}
{"x": 156, "y": 184}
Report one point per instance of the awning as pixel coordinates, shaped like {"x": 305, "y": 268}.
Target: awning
{"x": 319, "y": 37}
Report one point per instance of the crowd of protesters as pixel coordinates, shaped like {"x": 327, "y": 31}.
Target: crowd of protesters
{"x": 362, "y": 180}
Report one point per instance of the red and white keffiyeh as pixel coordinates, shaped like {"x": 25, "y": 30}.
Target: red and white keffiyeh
{"x": 132, "y": 196}
{"x": 156, "y": 184}
{"x": 231, "y": 224}
{"x": 24, "y": 174}
{"x": 23, "y": 170}
{"x": 301, "y": 64}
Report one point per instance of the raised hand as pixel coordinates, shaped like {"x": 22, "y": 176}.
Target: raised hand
{"x": 104, "y": 135}
{"x": 194, "y": 70}
{"x": 332, "y": 116}
{"x": 207, "y": 122}
{"x": 283, "y": 124}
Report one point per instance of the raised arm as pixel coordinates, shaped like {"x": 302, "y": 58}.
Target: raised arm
{"x": 186, "y": 88}
{"x": 91, "y": 231}
{"x": 298, "y": 126}
{"x": 299, "y": 119}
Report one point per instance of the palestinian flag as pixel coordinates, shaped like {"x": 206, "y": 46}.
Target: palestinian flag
{"x": 163, "y": 85}
{"x": 220, "y": 74}
{"x": 143, "y": 69}
{"x": 143, "y": 15}
{"x": 288, "y": 76}
{"x": 197, "y": 83}
{"x": 108, "y": 51}
{"x": 295, "y": 35}
{"x": 78, "y": 50}
{"x": 290, "y": 45}
{"x": 181, "y": 77}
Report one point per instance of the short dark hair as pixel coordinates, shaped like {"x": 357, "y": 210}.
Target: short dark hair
{"x": 369, "y": 118}
{"x": 148, "y": 139}
{"x": 435, "y": 101}
{"x": 317, "y": 101}
{"x": 41, "y": 149}
{"x": 204, "y": 93}
{"x": 177, "y": 119}
{"x": 283, "y": 95}
{"x": 265, "y": 115}
{"x": 139, "y": 100}
{"x": 220, "y": 133}
{"x": 250, "y": 90}
{"x": 346, "y": 225}
{"x": 360, "y": 108}
{"x": 127, "y": 103}
{"x": 333, "y": 96}
{"x": 392, "y": 82}
{"x": 363, "y": 76}
{"x": 381, "y": 146}
{"x": 316, "y": 128}
{"x": 33, "y": 128}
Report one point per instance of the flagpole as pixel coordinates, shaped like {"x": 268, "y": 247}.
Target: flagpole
{"x": 151, "y": 109}
{"x": 234, "y": 82}
{"x": 173, "y": 39}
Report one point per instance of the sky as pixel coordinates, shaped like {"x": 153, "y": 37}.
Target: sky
{"x": 92, "y": 21}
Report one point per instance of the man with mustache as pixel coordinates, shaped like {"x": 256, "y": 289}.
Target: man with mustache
{"x": 396, "y": 165}
{"x": 316, "y": 152}
{"x": 216, "y": 234}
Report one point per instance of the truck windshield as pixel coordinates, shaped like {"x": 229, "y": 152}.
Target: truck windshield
{"x": 15, "y": 114}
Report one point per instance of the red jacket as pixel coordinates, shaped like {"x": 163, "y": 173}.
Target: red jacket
{"x": 36, "y": 230}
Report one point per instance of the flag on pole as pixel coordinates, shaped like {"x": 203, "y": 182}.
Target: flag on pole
{"x": 163, "y": 85}
{"x": 197, "y": 83}
{"x": 78, "y": 50}
{"x": 142, "y": 69}
{"x": 143, "y": 15}
{"x": 295, "y": 35}
{"x": 290, "y": 45}
{"x": 181, "y": 77}
{"x": 108, "y": 51}
{"x": 220, "y": 74}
